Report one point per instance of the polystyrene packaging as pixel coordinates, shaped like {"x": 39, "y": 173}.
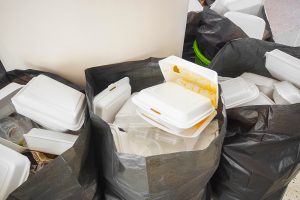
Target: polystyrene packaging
{"x": 237, "y": 92}
{"x": 49, "y": 141}
{"x": 286, "y": 93}
{"x": 283, "y": 66}
{"x": 14, "y": 170}
{"x": 187, "y": 99}
{"x": 108, "y": 102}
{"x": 253, "y": 26}
{"x": 51, "y": 104}
{"x": 262, "y": 99}
{"x": 264, "y": 84}
{"x": 252, "y": 7}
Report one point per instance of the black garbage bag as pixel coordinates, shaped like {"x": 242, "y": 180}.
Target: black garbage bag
{"x": 211, "y": 30}
{"x": 74, "y": 174}
{"x": 260, "y": 154}
{"x": 176, "y": 176}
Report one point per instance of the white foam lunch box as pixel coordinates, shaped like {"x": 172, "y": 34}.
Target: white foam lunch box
{"x": 14, "y": 170}
{"x": 108, "y": 102}
{"x": 189, "y": 95}
{"x": 262, "y": 99}
{"x": 264, "y": 84}
{"x": 49, "y": 141}
{"x": 252, "y": 25}
{"x": 283, "y": 66}
{"x": 237, "y": 92}
{"x": 286, "y": 93}
{"x": 52, "y": 104}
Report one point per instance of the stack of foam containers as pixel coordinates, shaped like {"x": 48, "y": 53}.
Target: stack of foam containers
{"x": 177, "y": 106}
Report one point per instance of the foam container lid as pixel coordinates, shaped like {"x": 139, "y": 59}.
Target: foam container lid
{"x": 14, "y": 170}
{"x": 283, "y": 66}
{"x": 287, "y": 92}
{"x": 171, "y": 103}
{"x": 50, "y": 99}
{"x": 252, "y": 25}
{"x": 190, "y": 76}
{"x": 237, "y": 91}
{"x": 9, "y": 89}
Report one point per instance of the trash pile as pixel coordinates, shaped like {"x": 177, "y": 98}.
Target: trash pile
{"x": 33, "y": 120}
{"x": 222, "y": 122}
{"x": 252, "y": 89}
{"x": 170, "y": 117}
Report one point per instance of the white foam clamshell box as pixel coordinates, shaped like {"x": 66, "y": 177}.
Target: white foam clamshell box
{"x": 52, "y": 104}
{"x": 252, "y": 25}
{"x": 237, "y": 92}
{"x": 286, "y": 93}
{"x": 108, "y": 102}
{"x": 171, "y": 106}
{"x": 251, "y": 7}
{"x": 49, "y": 141}
{"x": 262, "y": 99}
{"x": 283, "y": 66}
{"x": 14, "y": 170}
{"x": 264, "y": 84}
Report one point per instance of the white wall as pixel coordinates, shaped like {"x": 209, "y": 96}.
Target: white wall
{"x": 67, "y": 36}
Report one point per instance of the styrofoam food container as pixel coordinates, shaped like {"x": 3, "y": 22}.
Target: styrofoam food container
{"x": 108, "y": 102}
{"x": 251, "y": 7}
{"x": 286, "y": 93}
{"x": 252, "y": 25}
{"x": 14, "y": 170}
{"x": 283, "y": 66}
{"x": 191, "y": 76}
{"x": 264, "y": 84}
{"x": 51, "y": 103}
{"x": 237, "y": 91}
{"x": 49, "y": 141}
{"x": 262, "y": 99}
{"x": 6, "y": 93}
{"x": 173, "y": 106}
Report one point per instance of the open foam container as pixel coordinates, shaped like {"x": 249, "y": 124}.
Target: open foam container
{"x": 283, "y": 66}
{"x": 187, "y": 98}
{"x": 108, "y": 102}
{"x": 51, "y": 104}
{"x": 14, "y": 170}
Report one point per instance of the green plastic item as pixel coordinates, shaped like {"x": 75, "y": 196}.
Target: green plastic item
{"x": 200, "y": 59}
